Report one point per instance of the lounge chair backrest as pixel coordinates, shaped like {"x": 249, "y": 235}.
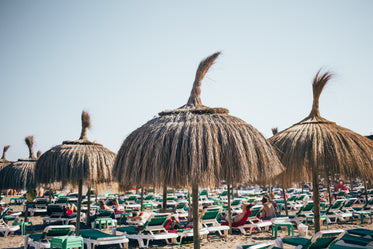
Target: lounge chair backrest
{"x": 211, "y": 213}
{"x": 236, "y": 202}
{"x": 325, "y": 239}
{"x": 156, "y": 223}
{"x": 4, "y": 212}
{"x": 53, "y": 231}
{"x": 105, "y": 213}
{"x": 56, "y": 210}
{"x": 336, "y": 205}
{"x": 181, "y": 204}
{"x": 349, "y": 203}
{"x": 292, "y": 198}
{"x": 224, "y": 194}
{"x": 256, "y": 210}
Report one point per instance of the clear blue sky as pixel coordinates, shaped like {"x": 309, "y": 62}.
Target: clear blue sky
{"x": 125, "y": 61}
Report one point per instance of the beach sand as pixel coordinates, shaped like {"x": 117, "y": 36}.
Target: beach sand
{"x": 212, "y": 241}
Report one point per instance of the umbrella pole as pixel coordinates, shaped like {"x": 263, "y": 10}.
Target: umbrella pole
{"x": 164, "y": 202}
{"x": 302, "y": 187}
{"x": 285, "y": 201}
{"x": 189, "y": 198}
{"x": 196, "y": 239}
{"x": 79, "y": 206}
{"x": 316, "y": 198}
{"x": 366, "y": 191}
{"x": 50, "y": 196}
{"x": 328, "y": 187}
{"x": 142, "y": 199}
{"x": 229, "y": 209}
{"x": 89, "y": 205}
{"x": 26, "y": 211}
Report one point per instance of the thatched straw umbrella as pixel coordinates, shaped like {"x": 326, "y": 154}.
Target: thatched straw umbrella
{"x": 20, "y": 174}
{"x": 195, "y": 145}
{"x": 76, "y": 162}
{"x": 317, "y": 145}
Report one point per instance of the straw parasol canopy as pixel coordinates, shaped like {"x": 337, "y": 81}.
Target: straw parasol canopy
{"x": 76, "y": 162}
{"x": 195, "y": 145}
{"x": 315, "y": 146}
{"x": 20, "y": 174}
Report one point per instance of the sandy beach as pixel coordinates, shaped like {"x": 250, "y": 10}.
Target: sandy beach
{"x": 16, "y": 241}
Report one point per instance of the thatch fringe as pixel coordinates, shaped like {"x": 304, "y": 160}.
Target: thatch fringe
{"x": 30, "y": 144}
{"x": 6, "y": 148}
{"x": 38, "y": 154}
{"x": 18, "y": 175}
{"x": 204, "y": 66}
{"x": 86, "y": 124}
{"x": 70, "y": 162}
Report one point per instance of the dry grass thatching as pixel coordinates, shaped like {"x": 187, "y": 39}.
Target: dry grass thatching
{"x": 317, "y": 142}
{"x": 20, "y": 174}
{"x": 76, "y": 160}
{"x": 3, "y": 161}
{"x": 195, "y": 143}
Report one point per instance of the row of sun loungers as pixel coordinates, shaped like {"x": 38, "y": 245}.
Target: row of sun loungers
{"x": 334, "y": 239}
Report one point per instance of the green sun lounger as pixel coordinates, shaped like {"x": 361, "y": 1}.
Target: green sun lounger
{"x": 322, "y": 239}
{"x": 93, "y": 237}
{"x": 153, "y": 229}
{"x": 42, "y": 240}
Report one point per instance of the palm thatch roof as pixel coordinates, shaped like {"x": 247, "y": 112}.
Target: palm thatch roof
{"x": 317, "y": 142}
{"x": 20, "y": 174}
{"x": 195, "y": 143}
{"x": 76, "y": 160}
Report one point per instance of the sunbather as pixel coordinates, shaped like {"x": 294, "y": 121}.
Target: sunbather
{"x": 240, "y": 219}
{"x": 268, "y": 208}
{"x": 71, "y": 209}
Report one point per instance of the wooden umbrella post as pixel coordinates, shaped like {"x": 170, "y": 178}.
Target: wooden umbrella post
{"x": 164, "y": 202}
{"x": 142, "y": 199}
{"x": 316, "y": 198}
{"x": 89, "y": 205}
{"x": 229, "y": 209}
{"x": 285, "y": 201}
{"x": 196, "y": 238}
{"x": 50, "y": 196}
{"x": 79, "y": 206}
{"x": 328, "y": 187}
{"x": 366, "y": 190}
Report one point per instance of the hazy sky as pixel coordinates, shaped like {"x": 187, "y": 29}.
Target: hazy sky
{"x": 125, "y": 61}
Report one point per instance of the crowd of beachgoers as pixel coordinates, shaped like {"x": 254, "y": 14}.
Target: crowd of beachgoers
{"x": 138, "y": 219}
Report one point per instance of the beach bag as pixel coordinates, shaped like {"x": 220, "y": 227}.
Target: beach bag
{"x": 303, "y": 229}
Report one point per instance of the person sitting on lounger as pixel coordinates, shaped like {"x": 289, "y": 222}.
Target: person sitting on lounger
{"x": 139, "y": 216}
{"x": 71, "y": 209}
{"x": 240, "y": 219}
{"x": 268, "y": 208}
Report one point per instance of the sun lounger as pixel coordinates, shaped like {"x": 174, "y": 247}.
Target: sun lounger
{"x": 250, "y": 221}
{"x": 356, "y": 241}
{"x": 93, "y": 237}
{"x": 57, "y": 213}
{"x": 153, "y": 229}
{"x": 40, "y": 206}
{"x": 266, "y": 245}
{"x": 322, "y": 239}
{"x": 209, "y": 221}
{"x": 5, "y": 229}
{"x": 42, "y": 240}
{"x": 184, "y": 233}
